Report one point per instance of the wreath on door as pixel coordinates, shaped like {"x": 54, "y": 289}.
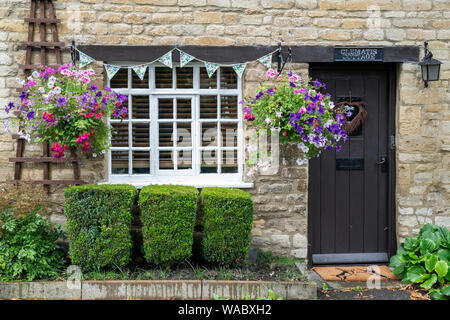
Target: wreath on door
{"x": 355, "y": 119}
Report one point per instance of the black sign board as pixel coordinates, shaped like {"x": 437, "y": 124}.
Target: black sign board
{"x": 350, "y": 164}
{"x": 358, "y": 54}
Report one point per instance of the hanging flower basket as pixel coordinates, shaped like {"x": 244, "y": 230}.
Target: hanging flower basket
{"x": 301, "y": 112}
{"x": 65, "y": 109}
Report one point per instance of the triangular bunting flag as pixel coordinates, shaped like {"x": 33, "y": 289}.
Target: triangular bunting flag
{"x": 111, "y": 70}
{"x": 166, "y": 59}
{"x": 239, "y": 68}
{"x": 185, "y": 58}
{"x": 84, "y": 59}
{"x": 140, "y": 70}
{"x": 266, "y": 60}
{"x": 211, "y": 67}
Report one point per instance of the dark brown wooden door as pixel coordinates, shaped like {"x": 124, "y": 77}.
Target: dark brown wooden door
{"x": 350, "y": 191}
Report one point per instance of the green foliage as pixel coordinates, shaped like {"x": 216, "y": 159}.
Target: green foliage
{"x": 28, "y": 248}
{"x": 425, "y": 259}
{"x": 99, "y": 224}
{"x": 168, "y": 218}
{"x": 227, "y": 224}
{"x": 270, "y": 296}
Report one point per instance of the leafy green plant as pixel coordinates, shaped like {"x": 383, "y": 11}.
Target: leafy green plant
{"x": 424, "y": 259}
{"x": 168, "y": 218}
{"x": 270, "y": 296}
{"x": 440, "y": 294}
{"x": 99, "y": 225}
{"x": 28, "y": 248}
{"x": 227, "y": 224}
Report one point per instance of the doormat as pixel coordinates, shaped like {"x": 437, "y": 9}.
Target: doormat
{"x": 356, "y": 273}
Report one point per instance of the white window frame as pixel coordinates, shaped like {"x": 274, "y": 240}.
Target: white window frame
{"x": 186, "y": 176}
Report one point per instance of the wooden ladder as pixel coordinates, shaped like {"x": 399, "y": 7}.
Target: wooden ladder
{"x": 43, "y": 45}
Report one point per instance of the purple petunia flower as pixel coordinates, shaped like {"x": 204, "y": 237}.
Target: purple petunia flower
{"x": 24, "y": 96}
{"x": 9, "y": 107}
{"x": 93, "y": 87}
{"x": 30, "y": 115}
{"x": 61, "y": 101}
{"x": 317, "y": 83}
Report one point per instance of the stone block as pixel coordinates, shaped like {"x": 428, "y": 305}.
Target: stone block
{"x": 306, "y": 4}
{"x": 281, "y": 240}
{"x": 416, "y": 5}
{"x": 167, "y": 18}
{"x": 277, "y": 4}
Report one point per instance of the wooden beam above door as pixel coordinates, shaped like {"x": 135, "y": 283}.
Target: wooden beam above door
{"x": 237, "y": 53}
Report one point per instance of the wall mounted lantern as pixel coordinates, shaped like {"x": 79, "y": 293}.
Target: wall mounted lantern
{"x": 430, "y": 67}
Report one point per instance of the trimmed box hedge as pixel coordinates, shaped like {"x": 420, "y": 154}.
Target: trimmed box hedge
{"x": 99, "y": 224}
{"x": 168, "y": 218}
{"x": 227, "y": 224}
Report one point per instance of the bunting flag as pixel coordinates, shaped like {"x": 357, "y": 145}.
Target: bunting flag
{"x": 85, "y": 59}
{"x": 211, "y": 67}
{"x": 111, "y": 70}
{"x": 140, "y": 70}
{"x": 266, "y": 60}
{"x": 185, "y": 58}
{"x": 166, "y": 59}
{"x": 239, "y": 69}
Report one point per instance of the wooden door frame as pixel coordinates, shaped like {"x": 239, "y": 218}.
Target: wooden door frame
{"x": 391, "y": 68}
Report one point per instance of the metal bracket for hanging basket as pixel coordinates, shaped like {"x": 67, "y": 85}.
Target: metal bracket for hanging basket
{"x": 280, "y": 59}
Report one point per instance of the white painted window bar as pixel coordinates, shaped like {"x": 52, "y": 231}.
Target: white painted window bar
{"x": 177, "y": 130}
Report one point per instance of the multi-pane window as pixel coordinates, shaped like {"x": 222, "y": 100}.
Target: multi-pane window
{"x": 180, "y": 123}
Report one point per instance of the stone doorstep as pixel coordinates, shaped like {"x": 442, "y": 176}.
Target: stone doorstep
{"x": 157, "y": 289}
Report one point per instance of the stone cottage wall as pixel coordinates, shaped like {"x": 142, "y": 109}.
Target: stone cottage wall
{"x": 423, "y": 116}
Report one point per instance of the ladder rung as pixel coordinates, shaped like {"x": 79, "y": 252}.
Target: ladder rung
{"x": 42, "y": 159}
{"x": 34, "y": 66}
{"x": 48, "y": 182}
{"x": 42, "y": 44}
{"x": 42, "y": 20}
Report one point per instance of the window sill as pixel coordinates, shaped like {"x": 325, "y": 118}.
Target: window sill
{"x": 198, "y": 182}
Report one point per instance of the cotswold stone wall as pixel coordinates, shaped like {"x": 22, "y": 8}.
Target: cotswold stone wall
{"x": 423, "y": 116}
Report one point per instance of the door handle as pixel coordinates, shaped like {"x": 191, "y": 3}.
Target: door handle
{"x": 382, "y": 161}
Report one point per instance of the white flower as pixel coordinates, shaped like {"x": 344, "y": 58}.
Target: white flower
{"x": 30, "y": 78}
{"x": 331, "y": 104}
{"x": 94, "y": 155}
{"x": 52, "y": 79}
{"x": 103, "y": 151}
{"x": 278, "y": 114}
{"x": 50, "y": 85}
{"x": 24, "y": 136}
{"x": 252, "y": 171}
{"x": 35, "y": 74}
{"x": 302, "y": 147}
{"x": 263, "y": 165}
{"x": 301, "y": 161}
{"x": 6, "y": 126}
{"x": 268, "y": 121}
{"x": 57, "y": 90}
{"x": 328, "y": 123}
{"x": 41, "y": 90}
